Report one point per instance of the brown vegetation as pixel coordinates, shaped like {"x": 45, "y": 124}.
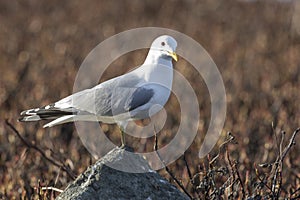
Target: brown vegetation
{"x": 256, "y": 46}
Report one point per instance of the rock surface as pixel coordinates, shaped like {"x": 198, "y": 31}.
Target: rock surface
{"x": 103, "y": 181}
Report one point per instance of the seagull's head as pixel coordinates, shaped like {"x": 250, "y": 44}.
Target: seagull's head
{"x": 164, "y": 47}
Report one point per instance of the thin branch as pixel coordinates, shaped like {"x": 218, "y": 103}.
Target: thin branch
{"x": 188, "y": 169}
{"x": 167, "y": 169}
{"x": 281, "y": 142}
{"x": 279, "y": 162}
{"x": 296, "y": 197}
{"x": 240, "y": 180}
{"x": 231, "y": 170}
{"x": 53, "y": 189}
{"x": 289, "y": 146}
{"x": 229, "y": 140}
{"x": 294, "y": 193}
{"x": 190, "y": 175}
{"x": 32, "y": 146}
{"x": 261, "y": 181}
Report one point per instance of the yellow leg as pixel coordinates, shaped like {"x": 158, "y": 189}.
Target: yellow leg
{"x": 123, "y": 142}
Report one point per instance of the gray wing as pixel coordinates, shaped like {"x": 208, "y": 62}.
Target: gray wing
{"x": 112, "y": 98}
{"x": 122, "y": 100}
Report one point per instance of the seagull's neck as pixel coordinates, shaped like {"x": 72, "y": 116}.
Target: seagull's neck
{"x": 156, "y": 58}
{"x": 157, "y": 68}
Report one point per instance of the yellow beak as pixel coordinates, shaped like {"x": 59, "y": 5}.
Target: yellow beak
{"x": 173, "y": 55}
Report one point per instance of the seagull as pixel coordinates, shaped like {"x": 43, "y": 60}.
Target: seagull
{"x": 132, "y": 96}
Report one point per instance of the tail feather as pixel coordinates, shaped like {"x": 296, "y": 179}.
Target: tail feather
{"x": 60, "y": 120}
{"x": 43, "y": 113}
{"x": 29, "y": 118}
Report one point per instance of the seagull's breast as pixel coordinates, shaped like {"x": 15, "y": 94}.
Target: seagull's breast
{"x": 159, "y": 78}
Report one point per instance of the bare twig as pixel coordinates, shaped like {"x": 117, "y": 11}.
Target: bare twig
{"x": 240, "y": 180}
{"x": 32, "y": 146}
{"x": 281, "y": 142}
{"x": 167, "y": 169}
{"x": 291, "y": 143}
{"x": 39, "y": 189}
{"x": 231, "y": 169}
{"x": 277, "y": 178}
{"x": 53, "y": 189}
{"x": 230, "y": 138}
{"x": 190, "y": 175}
{"x": 276, "y": 167}
{"x": 188, "y": 169}
{"x": 294, "y": 195}
{"x": 262, "y": 182}
{"x": 234, "y": 170}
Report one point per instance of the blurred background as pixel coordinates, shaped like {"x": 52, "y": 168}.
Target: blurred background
{"x": 255, "y": 44}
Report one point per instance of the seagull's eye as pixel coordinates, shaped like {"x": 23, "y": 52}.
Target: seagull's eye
{"x": 163, "y": 43}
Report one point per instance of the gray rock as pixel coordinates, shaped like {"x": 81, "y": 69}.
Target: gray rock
{"x": 103, "y": 181}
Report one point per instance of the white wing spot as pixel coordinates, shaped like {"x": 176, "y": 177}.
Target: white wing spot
{"x": 47, "y": 107}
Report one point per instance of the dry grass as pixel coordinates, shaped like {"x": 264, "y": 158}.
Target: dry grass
{"x": 256, "y": 47}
